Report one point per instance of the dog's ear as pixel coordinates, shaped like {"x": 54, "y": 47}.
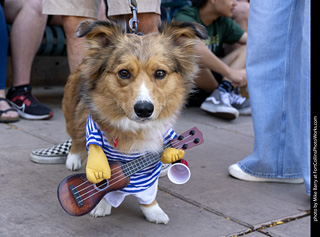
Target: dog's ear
{"x": 180, "y": 30}
{"x": 101, "y": 32}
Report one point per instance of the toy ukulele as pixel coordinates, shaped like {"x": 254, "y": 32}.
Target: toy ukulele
{"x": 78, "y": 196}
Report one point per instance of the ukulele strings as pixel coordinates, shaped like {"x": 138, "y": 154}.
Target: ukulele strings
{"x": 97, "y": 191}
{"x": 174, "y": 143}
{"x": 167, "y": 145}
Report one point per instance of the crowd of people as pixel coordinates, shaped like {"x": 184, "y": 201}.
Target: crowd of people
{"x": 240, "y": 48}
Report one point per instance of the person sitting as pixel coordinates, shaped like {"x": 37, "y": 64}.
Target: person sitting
{"x": 220, "y": 74}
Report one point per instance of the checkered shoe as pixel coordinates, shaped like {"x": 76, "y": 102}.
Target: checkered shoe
{"x": 52, "y": 155}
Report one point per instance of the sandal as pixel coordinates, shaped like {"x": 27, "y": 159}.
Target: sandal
{"x": 4, "y": 119}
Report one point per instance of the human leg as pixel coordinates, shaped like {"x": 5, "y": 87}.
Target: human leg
{"x": 7, "y": 114}
{"x": 75, "y": 46}
{"x": 73, "y": 13}
{"x": 274, "y": 85}
{"x": 28, "y": 25}
{"x": 236, "y": 60}
{"x": 305, "y": 99}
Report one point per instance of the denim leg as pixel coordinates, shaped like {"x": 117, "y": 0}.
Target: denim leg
{"x": 274, "y": 83}
{"x": 3, "y": 50}
{"x": 305, "y": 99}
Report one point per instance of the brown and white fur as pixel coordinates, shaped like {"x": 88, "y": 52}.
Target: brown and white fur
{"x": 134, "y": 88}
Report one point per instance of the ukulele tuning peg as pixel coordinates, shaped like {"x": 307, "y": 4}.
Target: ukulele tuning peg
{"x": 192, "y": 132}
{"x": 180, "y": 138}
{"x": 185, "y": 146}
{"x": 196, "y": 141}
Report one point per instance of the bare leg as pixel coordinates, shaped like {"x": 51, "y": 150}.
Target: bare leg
{"x": 206, "y": 81}
{"x": 75, "y": 46}
{"x": 236, "y": 60}
{"x": 28, "y": 25}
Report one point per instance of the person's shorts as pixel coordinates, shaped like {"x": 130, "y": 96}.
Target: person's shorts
{"x": 121, "y": 7}
{"x": 82, "y": 8}
{"x": 217, "y": 76}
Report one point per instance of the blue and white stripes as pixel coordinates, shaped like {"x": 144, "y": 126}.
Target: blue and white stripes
{"x": 141, "y": 180}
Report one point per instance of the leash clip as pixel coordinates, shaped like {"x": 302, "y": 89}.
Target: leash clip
{"x": 133, "y": 22}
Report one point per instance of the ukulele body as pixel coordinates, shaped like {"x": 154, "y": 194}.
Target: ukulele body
{"x": 78, "y": 196}
{"x": 71, "y": 187}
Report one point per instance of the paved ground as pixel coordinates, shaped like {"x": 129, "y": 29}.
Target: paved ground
{"x": 210, "y": 204}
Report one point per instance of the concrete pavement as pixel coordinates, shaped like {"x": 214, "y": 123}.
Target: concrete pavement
{"x": 211, "y": 204}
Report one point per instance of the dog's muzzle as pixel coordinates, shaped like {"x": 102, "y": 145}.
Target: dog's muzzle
{"x": 143, "y": 109}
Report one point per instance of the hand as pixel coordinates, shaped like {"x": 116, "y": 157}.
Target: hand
{"x": 171, "y": 155}
{"x": 238, "y": 77}
{"x": 97, "y": 168}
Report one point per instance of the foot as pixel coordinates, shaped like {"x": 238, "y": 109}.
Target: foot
{"x": 7, "y": 114}
{"x": 73, "y": 162}
{"x": 26, "y": 104}
{"x": 56, "y": 154}
{"x": 102, "y": 209}
{"x": 218, "y": 104}
{"x": 237, "y": 172}
{"x": 154, "y": 213}
{"x": 240, "y": 103}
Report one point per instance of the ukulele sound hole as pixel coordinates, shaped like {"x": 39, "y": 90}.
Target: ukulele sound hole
{"x": 102, "y": 185}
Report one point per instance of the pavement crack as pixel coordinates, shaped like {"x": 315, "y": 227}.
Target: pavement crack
{"x": 262, "y": 228}
{"x": 206, "y": 208}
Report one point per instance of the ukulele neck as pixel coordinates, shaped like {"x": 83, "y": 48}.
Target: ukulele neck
{"x": 140, "y": 163}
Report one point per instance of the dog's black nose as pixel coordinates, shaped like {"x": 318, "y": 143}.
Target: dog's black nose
{"x": 143, "y": 109}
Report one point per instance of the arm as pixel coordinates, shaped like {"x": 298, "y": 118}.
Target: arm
{"x": 97, "y": 168}
{"x": 209, "y": 60}
{"x": 243, "y": 39}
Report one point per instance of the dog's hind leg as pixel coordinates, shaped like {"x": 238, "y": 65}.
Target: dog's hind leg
{"x": 102, "y": 209}
{"x": 154, "y": 213}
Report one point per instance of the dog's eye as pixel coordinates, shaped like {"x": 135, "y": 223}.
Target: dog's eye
{"x": 124, "y": 74}
{"x": 160, "y": 74}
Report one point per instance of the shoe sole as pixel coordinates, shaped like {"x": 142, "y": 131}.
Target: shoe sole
{"x": 245, "y": 111}
{"x": 48, "y": 159}
{"x": 221, "y": 112}
{"x": 35, "y": 117}
{"x": 236, "y": 172}
{"x": 30, "y": 116}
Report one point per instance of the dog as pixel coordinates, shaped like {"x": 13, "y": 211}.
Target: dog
{"x": 133, "y": 87}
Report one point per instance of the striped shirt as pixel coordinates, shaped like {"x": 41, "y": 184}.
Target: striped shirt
{"x": 139, "y": 181}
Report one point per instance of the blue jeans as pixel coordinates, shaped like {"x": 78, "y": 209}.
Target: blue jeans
{"x": 3, "y": 50}
{"x": 278, "y": 74}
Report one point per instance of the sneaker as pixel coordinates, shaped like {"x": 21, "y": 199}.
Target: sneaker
{"x": 237, "y": 172}
{"x": 26, "y": 104}
{"x": 164, "y": 169}
{"x": 242, "y": 104}
{"x": 218, "y": 104}
{"x": 53, "y": 155}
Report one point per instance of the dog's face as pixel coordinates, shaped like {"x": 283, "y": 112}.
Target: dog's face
{"x": 131, "y": 81}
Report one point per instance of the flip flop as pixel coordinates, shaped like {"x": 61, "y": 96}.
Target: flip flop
{"x": 4, "y": 119}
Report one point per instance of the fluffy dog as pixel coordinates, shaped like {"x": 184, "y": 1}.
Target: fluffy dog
{"x": 133, "y": 88}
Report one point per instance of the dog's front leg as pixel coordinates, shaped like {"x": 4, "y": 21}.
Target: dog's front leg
{"x": 154, "y": 213}
{"x": 102, "y": 209}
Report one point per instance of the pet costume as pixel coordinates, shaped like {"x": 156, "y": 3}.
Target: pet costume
{"x": 143, "y": 184}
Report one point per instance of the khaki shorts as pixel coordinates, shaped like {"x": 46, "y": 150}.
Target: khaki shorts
{"x": 121, "y": 7}
{"x": 83, "y": 8}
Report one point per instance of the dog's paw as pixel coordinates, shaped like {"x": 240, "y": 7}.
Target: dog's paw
{"x": 102, "y": 209}
{"x": 73, "y": 162}
{"x": 155, "y": 214}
